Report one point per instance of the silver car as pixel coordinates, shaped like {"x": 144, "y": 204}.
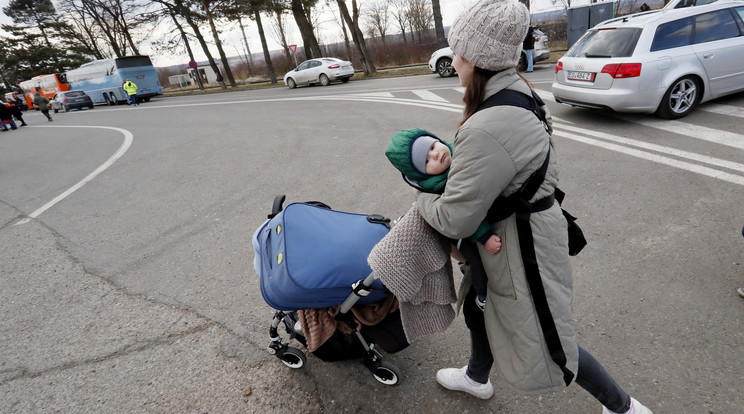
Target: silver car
{"x": 75, "y": 99}
{"x": 441, "y": 60}
{"x": 663, "y": 62}
{"x": 320, "y": 70}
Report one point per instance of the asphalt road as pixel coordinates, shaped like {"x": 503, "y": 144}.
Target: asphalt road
{"x": 126, "y": 259}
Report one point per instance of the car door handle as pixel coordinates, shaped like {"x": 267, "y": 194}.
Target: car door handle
{"x": 708, "y": 56}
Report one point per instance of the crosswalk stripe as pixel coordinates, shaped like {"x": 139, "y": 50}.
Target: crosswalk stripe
{"x": 699, "y": 169}
{"x": 716, "y": 136}
{"x": 728, "y": 110}
{"x": 559, "y": 125}
{"x": 428, "y": 95}
{"x": 373, "y": 94}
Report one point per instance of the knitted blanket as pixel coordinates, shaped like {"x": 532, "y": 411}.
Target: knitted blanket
{"x": 318, "y": 325}
{"x": 413, "y": 261}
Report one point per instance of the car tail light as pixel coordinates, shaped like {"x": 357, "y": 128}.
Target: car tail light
{"x": 536, "y": 37}
{"x": 623, "y": 70}
{"x": 65, "y": 100}
{"x": 87, "y": 97}
{"x": 335, "y": 66}
{"x": 558, "y": 66}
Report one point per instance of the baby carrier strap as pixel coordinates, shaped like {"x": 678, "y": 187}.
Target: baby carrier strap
{"x": 511, "y": 97}
{"x": 519, "y": 203}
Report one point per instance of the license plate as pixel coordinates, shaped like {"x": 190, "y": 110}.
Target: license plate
{"x": 581, "y": 76}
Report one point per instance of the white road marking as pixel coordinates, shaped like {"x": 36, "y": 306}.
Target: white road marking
{"x": 728, "y": 110}
{"x": 128, "y": 138}
{"x": 710, "y": 172}
{"x": 729, "y": 139}
{"x": 653, "y": 147}
{"x": 375, "y": 94}
{"x": 428, "y": 95}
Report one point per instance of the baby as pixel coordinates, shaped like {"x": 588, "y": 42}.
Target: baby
{"x": 424, "y": 161}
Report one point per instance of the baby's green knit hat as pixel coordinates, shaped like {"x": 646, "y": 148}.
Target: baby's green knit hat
{"x": 399, "y": 154}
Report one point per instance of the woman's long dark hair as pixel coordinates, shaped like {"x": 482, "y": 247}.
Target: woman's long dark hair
{"x": 475, "y": 91}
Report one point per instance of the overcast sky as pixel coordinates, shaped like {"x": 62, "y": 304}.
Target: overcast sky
{"x": 329, "y": 32}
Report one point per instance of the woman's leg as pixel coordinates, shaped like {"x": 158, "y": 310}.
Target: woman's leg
{"x": 598, "y": 382}
{"x": 473, "y": 378}
{"x": 481, "y": 359}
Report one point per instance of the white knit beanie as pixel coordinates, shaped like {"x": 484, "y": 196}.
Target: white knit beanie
{"x": 490, "y": 34}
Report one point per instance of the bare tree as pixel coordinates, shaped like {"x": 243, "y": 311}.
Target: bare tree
{"x": 301, "y": 11}
{"x": 438, "y": 26}
{"x": 279, "y": 25}
{"x": 420, "y": 16}
{"x": 193, "y": 18}
{"x": 210, "y": 8}
{"x": 378, "y": 17}
{"x": 400, "y": 14}
{"x": 356, "y": 34}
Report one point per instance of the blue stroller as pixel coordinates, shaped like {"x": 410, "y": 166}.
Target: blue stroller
{"x": 309, "y": 256}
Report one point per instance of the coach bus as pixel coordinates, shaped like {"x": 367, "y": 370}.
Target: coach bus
{"x": 46, "y": 85}
{"x": 102, "y": 79}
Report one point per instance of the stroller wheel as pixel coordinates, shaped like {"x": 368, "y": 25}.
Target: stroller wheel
{"x": 293, "y": 358}
{"x": 387, "y": 374}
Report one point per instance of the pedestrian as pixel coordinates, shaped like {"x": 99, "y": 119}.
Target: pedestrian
{"x": 424, "y": 160}
{"x": 6, "y": 116}
{"x": 16, "y": 111}
{"x": 131, "y": 89}
{"x": 20, "y": 103}
{"x": 645, "y": 7}
{"x": 528, "y": 46}
{"x": 527, "y": 329}
{"x": 43, "y": 103}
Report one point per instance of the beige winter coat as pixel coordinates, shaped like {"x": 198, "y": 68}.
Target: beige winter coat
{"x": 494, "y": 153}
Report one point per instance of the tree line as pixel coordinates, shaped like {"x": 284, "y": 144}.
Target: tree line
{"x": 47, "y": 39}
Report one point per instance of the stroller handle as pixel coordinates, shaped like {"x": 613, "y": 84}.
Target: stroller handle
{"x": 361, "y": 289}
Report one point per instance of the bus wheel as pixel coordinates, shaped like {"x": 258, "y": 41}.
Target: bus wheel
{"x": 106, "y": 99}
{"x": 112, "y": 99}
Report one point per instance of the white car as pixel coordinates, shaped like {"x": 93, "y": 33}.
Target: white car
{"x": 678, "y": 4}
{"x": 665, "y": 62}
{"x": 322, "y": 70}
{"x": 441, "y": 60}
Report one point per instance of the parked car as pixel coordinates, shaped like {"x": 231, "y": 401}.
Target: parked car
{"x": 678, "y": 4}
{"x": 441, "y": 60}
{"x": 322, "y": 70}
{"x": 664, "y": 62}
{"x": 70, "y": 100}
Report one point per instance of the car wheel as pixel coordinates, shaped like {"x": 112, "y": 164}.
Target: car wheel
{"x": 324, "y": 81}
{"x": 90, "y": 106}
{"x": 55, "y": 109}
{"x": 680, "y": 98}
{"x": 67, "y": 109}
{"x": 444, "y": 67}
{"x": 522, "y": 66}
{"x": 291, "y": 83}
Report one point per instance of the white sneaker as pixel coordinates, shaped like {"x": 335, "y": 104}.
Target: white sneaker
{"x": 635, "y": 408}
{"x": 456, "y": 379}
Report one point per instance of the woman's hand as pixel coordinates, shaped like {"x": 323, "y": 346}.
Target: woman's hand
{"x": 493, "y": 244}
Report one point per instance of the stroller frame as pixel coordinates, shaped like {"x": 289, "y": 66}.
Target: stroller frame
{"x": 383, "y": 371}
